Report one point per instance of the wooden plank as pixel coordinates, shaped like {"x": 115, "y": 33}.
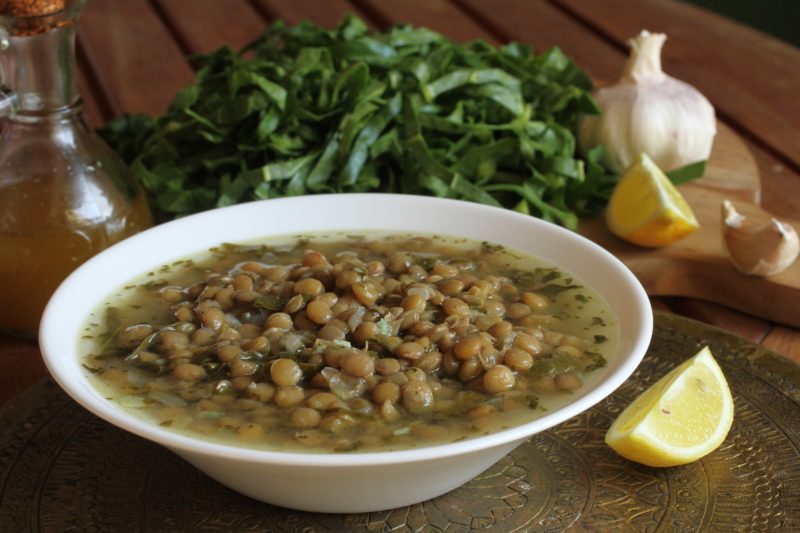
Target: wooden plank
{"x": 438, "y": 15}
{"x": 326, "y": 13}
{"x": 698, "y": 266}
{"x": 660, "y": 304}
{"x": 91, "y": 108}
{"x": 22, "y": 366}
{"x": 542, "y": 25}
{"x": 139, "y": 66}
{"x": 784, "y": 341}
{"x": 538, "y": 23}
{"x": 751, "y": 77}
{"x": 663, "y": 271}
{"x": 202, "y": 26}
{"x": 192, "y": 34}
{"x": 741, "y": 324}
{"x": 95, "y": 105}
{"x": 780, "y": 184}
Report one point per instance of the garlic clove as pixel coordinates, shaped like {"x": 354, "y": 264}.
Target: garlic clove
{"x": 758, "y": 249}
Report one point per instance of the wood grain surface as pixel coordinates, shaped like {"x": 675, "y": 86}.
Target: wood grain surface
{"x": 132, "y": 58}
{"x": 698, "y": 266}
{"x": 751, "y": 78}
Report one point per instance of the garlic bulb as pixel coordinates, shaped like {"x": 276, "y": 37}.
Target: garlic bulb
{"x": 758, "y": 249}
{"x": 651, "y": 112}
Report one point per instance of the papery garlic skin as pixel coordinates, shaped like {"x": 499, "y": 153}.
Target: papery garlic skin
{"x": 758, "y": 249}
{"x": 651, "y": 112}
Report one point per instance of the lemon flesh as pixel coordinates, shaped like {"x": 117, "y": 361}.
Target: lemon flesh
{"x": 682, "y": 417}
{"x": 646, "y": 208}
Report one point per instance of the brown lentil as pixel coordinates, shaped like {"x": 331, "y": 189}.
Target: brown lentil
{"x": 305, "y": 417}
{"x": 189, "y": 372}
{"x": 314, "y": 258}
{"x": 429, "y": 362}
{"x": 131, "y": 336}
{"x": 386, "y": 392}
{"x": 249, "y": 331}
{"x": 259, "y": 344}
{"x": 499, "y": 378}
{"x": 228, "y": 352}
{"x": 568, "y": 382}
{"x": 468, "y": 348}
{"x": 417, "y": 397}
{"x": 386, "y": 339}
{"x": 518, "y": 359}
{"x": 386, "y": 366}
{"x": 409, "y": 350}
{"x": 279, "y": 320}
{"x": 323, "y": 401}
{"x": 172, "y": 340}
{"x": 455, "y": 306}
{"x": 517, "y": 310}
{"x": 319, "y": 312}
{"x": 470, "y": 369}
{"x": 309, "y": 287}
{"x": 285, "y": 372}
{"x": 263, "y": 392}
{"x": 332, "y": 332}
{"x": 289, "y": 396}
{"x": 357, "y": 364}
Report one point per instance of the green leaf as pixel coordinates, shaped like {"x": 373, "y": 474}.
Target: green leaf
{"x": 320, "y": 175}
{"x": 367, "y": 49}
{"x": 366, "y": 137}
{"x": 305, "y": 109}
{"x": 687, "y": 173}
{"x": 186, "y": 97}
{"x": 462, "y": 77}
{"x": 469, "y": 191}
{"x": 286, "y": 169}
{"x": 275, "y": 92}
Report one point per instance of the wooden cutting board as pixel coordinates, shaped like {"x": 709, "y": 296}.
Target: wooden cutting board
{"x": 698, "y": 265}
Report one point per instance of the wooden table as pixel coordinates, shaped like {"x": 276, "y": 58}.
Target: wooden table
{"x": 132, "y": 58}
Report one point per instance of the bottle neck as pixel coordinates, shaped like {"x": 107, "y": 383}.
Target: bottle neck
{"x": 40, "y": 72}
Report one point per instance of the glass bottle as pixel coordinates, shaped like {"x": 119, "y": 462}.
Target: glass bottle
{"x": 64, "y": 194}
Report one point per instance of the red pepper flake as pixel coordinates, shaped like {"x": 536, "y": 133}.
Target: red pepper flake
{"x": 20, "y": 9}
{"x": 30, "y": 8}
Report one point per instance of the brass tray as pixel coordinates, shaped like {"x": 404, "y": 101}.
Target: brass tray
{"x": 62, "y": 469}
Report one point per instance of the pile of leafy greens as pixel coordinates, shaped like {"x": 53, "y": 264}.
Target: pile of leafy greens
{"x": 308, "y": 110}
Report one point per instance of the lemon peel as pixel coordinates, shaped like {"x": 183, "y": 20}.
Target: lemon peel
{"x": 647, "y": 209}
{"x": 681, "y": 418}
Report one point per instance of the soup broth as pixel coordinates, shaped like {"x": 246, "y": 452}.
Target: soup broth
{"x": 367, "y": 342}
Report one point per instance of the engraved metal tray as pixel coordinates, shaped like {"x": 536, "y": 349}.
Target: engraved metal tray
{"x": 62, "y": 469}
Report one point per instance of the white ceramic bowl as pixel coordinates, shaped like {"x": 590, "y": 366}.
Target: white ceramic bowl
{"x": 348, "y": 482}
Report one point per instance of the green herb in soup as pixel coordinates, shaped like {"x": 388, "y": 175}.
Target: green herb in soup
{"x": 338, "y": 343}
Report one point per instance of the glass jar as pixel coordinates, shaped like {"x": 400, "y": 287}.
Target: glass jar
{"x": 64, "y": 194}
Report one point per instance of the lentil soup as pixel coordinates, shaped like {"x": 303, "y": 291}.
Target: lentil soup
{"x": 339, "y": 343}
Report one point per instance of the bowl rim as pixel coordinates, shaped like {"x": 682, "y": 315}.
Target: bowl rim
{"x": 86, "y": 395}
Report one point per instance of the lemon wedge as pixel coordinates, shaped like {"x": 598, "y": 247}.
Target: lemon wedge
{"x": 682, "y": 417}
{"x": 646, "y": 208}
